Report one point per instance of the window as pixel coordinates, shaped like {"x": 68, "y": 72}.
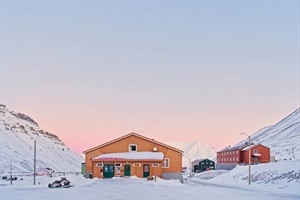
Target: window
{"x": 255, "y": 150}
{"x": 155, "y": 164}
{"x": 118, "y": 167}
{"x": 136, "y": 164}
{"x": 237, "y": 158}
{"x": 233, "y": 158}
{"x": 133, "y": 148}
{"x": 99, "y": 164}
{"x": 237, "y": 152}
{"x": 166, "y": 163}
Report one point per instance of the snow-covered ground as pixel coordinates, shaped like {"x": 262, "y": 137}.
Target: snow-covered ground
{"x": 282, "y": 175}
{"x": 283, "y": 138}
{"x": 135, "y": 188}
{"x": 17, "y": 134}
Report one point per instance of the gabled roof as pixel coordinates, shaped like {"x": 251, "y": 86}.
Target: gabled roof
{"x": 242, "y": 147}
{"x": 253, "y": 146}
{"x": 195, "y": 162}
{"x": 136, "y": 135}
{"x": 234, "y": 148}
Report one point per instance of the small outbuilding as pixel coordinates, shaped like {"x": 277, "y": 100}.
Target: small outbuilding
{"x": 201, "y": 165}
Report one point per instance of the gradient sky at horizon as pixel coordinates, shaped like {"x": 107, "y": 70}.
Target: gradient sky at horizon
{"x": 179, "y": 71}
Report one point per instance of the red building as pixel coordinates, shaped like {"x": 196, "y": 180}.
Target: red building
{"x": 259, "y": 154}
{"x": 240, "y": 154}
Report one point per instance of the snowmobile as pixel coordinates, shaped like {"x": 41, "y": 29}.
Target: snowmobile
{"x": 63, "y": 182}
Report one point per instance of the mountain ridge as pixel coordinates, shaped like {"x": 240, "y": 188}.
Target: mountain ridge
{"x": 283, "y": 138}
{"x": 18, "y": 132}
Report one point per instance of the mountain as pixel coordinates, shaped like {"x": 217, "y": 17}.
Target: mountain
{"x": 283, "y": 138}
{"x": 194, "y": 150}
{"x": 18, "y": 132}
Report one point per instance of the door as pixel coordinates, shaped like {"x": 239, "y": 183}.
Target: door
{"x": 146, "y": 170}
{"x": 108, "y": 170}
{"x": 126, "y": 170}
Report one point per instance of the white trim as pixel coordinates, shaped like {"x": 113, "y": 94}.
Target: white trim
{"x": 129, "y": 147}
{"x": 168, "y": 163}
{"x": 136, "y": 165}
{"x": 99, "y": 164}
{"x": 155, "y": 164}
{"x": 118, "y": 168}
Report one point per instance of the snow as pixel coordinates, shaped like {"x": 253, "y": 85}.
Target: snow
{"x": 283, "y": 138}
{"x": 135, "y": 188}
{"x": 281, "y": 175}
{"x": 275, "y": 180}
{"x": 251, "y": 147}
{"x": 16, "y": 144}
{"x": 194, "y": 150}
{"x": 131, "y": 156}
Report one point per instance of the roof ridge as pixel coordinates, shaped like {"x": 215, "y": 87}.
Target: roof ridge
{"x": 128, "y": 135}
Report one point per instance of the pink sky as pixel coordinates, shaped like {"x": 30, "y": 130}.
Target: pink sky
{"x": 93, "y": 71}
{"x": 81, "y": 128}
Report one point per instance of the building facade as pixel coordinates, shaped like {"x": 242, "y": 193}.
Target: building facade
{"x": 134, "y": 155}
{"x": 201, "y": 165}
{"x": 240, "y": 154}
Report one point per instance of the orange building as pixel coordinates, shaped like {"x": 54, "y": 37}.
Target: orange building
{"x": 134, "y": 155}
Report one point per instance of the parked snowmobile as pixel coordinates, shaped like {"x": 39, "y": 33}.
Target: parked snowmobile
{"x": 60, "y": 183}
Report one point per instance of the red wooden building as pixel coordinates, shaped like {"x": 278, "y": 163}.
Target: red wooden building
{"x": 240, "y": 154}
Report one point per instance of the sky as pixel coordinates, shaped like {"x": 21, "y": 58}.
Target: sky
{"x": 176, "y": 71}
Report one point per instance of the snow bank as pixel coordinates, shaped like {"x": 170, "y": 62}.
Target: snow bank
{"x": 131, "y": 156}
{"x": 283, "y": 175}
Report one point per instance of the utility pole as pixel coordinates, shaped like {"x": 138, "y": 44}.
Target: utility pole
{"x": 34, "y": 161}
{"x": 10, "y": 172}
{"x": 190, "y": 163}
{"x": 249, "y": 161}
{"x": 249, "y": 156}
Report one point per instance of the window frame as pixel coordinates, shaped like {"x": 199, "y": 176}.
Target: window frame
{"x": 168, "y": 163}
{"x": 255, "y": 150}
{"x": 155, "y": 164}
{"x": 99, "y": 164}
{"x": 129, "y": 147}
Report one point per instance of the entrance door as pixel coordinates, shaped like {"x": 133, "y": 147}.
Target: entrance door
{"x": 108, "y": 170}
{"x": 126, "y": 170}
{"x": 146, "y": 170}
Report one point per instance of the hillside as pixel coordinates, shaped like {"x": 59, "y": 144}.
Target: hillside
{"x": 194, "y": 150}
{"x": 283, "y": 138}
{"x": 18, "y": 132}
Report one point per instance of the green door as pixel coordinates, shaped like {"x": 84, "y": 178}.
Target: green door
{"x": 146, "y": 170}
{"x": 108, "y": 170}
{"x": 126, "y": 170}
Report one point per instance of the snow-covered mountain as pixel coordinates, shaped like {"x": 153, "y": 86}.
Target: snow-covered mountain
{"x": 18, "y": 132}
{"x": 283, "y": 138}
{"x": 194, "y": 150}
